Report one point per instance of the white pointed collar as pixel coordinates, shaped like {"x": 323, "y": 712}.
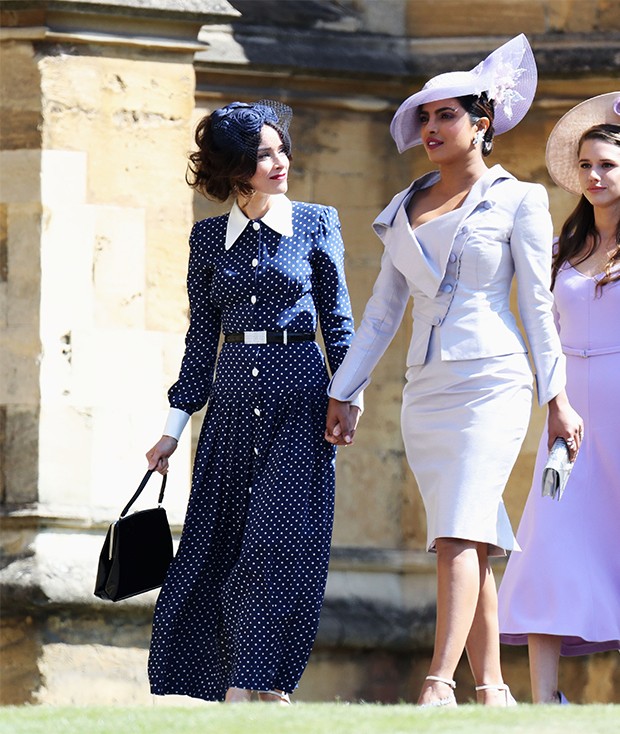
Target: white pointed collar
{"x": 279, "y": 217}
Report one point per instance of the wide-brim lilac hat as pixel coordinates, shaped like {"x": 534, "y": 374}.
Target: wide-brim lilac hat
{"x": 508, "y": 75}
{"x": 563, "y": 145}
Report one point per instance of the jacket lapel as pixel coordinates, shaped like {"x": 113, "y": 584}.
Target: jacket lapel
{"x": 425, "y": 267}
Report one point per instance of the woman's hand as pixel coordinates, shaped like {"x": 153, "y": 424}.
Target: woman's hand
{"x": 341, "y": 423}
{"x": 160, "y": 453}
{"x": 566, "y": 423}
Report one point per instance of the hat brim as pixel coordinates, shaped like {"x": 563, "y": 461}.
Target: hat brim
{"x": 405, "y": 126}
{"x": 562, "y": 146}
{"x": 511, "y": 66}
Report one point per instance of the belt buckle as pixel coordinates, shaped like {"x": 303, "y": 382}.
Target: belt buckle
{"x": 255, "y": 337}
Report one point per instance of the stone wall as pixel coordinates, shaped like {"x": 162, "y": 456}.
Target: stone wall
{"x": 98, "y": 107}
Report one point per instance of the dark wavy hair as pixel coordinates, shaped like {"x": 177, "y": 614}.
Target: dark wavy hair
{"x": 478, "y": 106}
{"x": 217, "y": 173}
{"x": 579, "y": 236}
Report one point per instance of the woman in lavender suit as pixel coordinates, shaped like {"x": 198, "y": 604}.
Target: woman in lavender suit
{"x": 454, "y": 240}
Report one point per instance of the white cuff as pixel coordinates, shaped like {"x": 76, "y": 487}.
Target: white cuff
{"x": 176, "y": 422}
{"x": 358, "y": 402}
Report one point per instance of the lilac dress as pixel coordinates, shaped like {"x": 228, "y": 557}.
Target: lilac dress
{"x": 566, "y": 581}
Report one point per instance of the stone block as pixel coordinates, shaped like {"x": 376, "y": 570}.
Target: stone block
{"x": 368, "y": 510}
{"x": 19, "y": 84}
{"x": 383, "y": 17}
{"x": 609, "y": 16}
{"x": 116, "y": 366}
{"x": 19, "y": 673}
{"x": 20, "y": 97}
{"x": 340, "y": 188}
{"x": 20, "y": 352}
{"x": 173, "y": 346}
{"x": 121, "y": 436}
{"x": 448, "y": 18}
{"x": 23, "y": 266}
{"x": 119, "y": 268}
{"x": 20, "y": 176}
{"x": 566, "y": 16}
{"x": 20, "y": 130}
{"x": 67, "y": 250}
{"x": 63, "y": 178}
{"x": 140, "y": 108}
{"x": 166, "y": 271}
{"x": 65, "y": 451}
{"x": 88, "y": 675}
{"x": 20, "y": 454}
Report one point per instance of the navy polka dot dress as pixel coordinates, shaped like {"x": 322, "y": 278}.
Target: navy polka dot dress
{"x": 240, "y": 605}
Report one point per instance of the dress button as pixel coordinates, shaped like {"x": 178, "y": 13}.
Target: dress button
{"x": 452, "y": 257}
{"x": 254, "y": 263}
{"x": 436, "y": 321}
{"x": 447, "y": 288}
{"x": 253, "y": 299}
{"x": 257, "y": 411}
{"x": 465, "y": 229}
{"x": 254, "y": 372}
{"x": 255, "y": 226}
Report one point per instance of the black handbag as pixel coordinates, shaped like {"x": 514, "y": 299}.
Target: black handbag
{"x": 136, "y": 552}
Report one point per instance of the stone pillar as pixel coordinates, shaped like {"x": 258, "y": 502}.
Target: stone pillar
{"x": 97, "y": 106}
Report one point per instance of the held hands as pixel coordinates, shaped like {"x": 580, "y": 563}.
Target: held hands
{"x": 566, "y": 423}
{"x": 342, "y": 420}
{"x": 160, "y": 453}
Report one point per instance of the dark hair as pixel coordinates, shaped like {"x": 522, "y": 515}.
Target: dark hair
{"x": 580, "y": 228}
{"x": 217, "y": 173}
{"x": 478, "y": 106}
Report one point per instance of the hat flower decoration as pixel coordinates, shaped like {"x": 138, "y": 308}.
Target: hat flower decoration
{"x": 503, "y": 87}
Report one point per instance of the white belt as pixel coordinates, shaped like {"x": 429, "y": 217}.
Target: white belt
{"x": 585, "y": 353}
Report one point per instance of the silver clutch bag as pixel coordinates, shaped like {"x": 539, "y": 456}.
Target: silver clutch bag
{"x": 557, "y": 470}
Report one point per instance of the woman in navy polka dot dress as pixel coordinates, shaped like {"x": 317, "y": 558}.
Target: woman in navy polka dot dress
{"x": 239, "y": 610}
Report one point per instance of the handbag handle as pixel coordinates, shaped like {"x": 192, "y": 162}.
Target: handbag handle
{"x": 138, "y": 491}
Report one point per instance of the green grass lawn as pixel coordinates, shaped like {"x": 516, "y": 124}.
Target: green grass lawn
{"x": 306, "y": 718}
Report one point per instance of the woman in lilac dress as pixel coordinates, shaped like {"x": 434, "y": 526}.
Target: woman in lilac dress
{"x": 561, "y": 595}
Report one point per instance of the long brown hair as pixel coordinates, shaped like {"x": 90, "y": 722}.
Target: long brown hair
{"x": 580, "y": 228}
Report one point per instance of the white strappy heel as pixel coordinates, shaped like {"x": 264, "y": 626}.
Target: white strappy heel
{"x": 281, "y": 695}
{"x": 447, "y": 700}
{"x": 510, "y": 700}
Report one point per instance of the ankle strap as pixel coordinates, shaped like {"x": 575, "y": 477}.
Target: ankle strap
{"x": 447, "y": 681}
{"x": 492, "y": 687}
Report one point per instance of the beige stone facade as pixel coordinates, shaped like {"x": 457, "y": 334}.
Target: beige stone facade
{"x": 98, "y": 106}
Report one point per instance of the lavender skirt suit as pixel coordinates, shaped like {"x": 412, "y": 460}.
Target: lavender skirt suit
{"x": 467, "y": 398}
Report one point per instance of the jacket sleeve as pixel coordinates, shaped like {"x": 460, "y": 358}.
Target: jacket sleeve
{"x": 191, "y": 391}
{"x": 329, "y": 288}
{"x": 382, "y": 317}
{"x": 531, "y": 246}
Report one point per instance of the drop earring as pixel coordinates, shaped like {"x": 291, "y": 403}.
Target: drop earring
{"x": 478, "y": 137}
